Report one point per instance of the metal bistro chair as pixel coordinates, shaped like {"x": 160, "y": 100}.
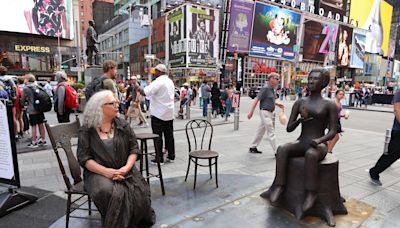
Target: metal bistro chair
{"x": 60, "y": 136}
{"x": 199, "y": 133}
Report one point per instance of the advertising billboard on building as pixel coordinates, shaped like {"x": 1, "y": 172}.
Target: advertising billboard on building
{"x": 375, "y": 16}
{"x": 241, "y": 20}
{"x": 274, "y": 32}
{"x": 203, "y": 36}
{"x": 334, "y": 9}
{"x": 176, "y": 38}
{"x": 344, "y": 45}
{"x": 358, "y": 49}
{"x": 45, "y": 17}
{"x": 319, "y": 40}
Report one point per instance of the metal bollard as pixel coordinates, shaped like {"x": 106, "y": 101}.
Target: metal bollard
{"x": 188, "y": 110}
{"x": 236, "y": 119}
{"x": 209, "y": 111}
{"x": 387, "y": 140}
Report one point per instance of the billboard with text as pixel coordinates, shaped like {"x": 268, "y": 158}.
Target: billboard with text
{"x": 241, "y": 20}
{"x": 176, "y": 28}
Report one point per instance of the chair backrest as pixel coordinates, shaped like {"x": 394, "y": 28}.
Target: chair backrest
{"x": 60, "y": 136}
{"x": 199, "y": 133}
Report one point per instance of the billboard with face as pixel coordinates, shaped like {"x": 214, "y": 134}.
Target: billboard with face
{"x": 274, "y": 32}
{"x": 344, "y": 45}
{"x": 319, "y": 40}
{"x": 358, "y": 49}
{"x": 176, "y": 38}
{"x": 42, "y": 17}
{"x": 202, "y": 31}
{"x": 376, "y": 17}
{"x": 241, "y": 19}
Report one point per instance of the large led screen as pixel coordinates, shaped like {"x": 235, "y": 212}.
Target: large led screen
{"x": 375, "y": 16}
{"x": 274, "y": 32}
{"x": 42, "y": 17}
{"x": 344, "y": 45}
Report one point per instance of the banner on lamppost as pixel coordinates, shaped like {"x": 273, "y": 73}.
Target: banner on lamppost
{"x": 203, "y": 36}
{"x": 358, "y": 49}
{"x": 319, "y": 40}
{"x": 241, "y": 20}
{"x": 274, "y": 32}
{"x": 176, "y": 38}
{"x": 344, "y": 45}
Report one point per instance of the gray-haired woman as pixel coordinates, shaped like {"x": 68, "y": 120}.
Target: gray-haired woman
{"x": 108, "y": 150}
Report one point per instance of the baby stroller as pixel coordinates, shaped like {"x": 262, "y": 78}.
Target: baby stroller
{"x": 134, "y": 112}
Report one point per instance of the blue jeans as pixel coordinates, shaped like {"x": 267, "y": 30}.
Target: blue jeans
{"x": 228, "y": 107}
{"x": 205, "y": 105}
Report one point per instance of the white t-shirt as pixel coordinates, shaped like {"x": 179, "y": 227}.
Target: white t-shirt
{"x": 161, "y": 92}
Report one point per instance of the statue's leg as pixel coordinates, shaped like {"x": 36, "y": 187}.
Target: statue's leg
{"x": 284, "y": 152}
{"x": 90, "y": 55}
{"x": 312, "y": 157}
{"x": 96, "y": 56}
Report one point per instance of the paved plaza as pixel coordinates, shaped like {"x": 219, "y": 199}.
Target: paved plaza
{"x": 243, "y": 176}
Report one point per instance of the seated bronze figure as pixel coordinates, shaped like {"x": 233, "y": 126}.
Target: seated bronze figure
{"x": 316, "y": 115}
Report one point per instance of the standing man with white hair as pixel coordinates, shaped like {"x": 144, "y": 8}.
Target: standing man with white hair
{"x": 162, "y": 92}
{"x": 59, "y": 98}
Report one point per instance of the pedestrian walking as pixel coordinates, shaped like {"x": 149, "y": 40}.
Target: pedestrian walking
{"x": 339, "y": 110}
{"x": 36, "y": 117}
{"x": 161, "y": 92}
{"x": 267, "y": 98}
{"x": 228, "y": 102}
{"x": 65, "y": 98}
{"x": 393, "y": 153}
{"x": 216, "y": 100}
{"x": 206, "y": 94}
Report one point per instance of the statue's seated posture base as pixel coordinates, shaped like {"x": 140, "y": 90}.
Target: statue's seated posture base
{"x": 328, "y": 202}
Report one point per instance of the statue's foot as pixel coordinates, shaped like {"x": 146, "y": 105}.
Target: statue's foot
{"x": 274, "y": 195}
{"x": 309, "y": 201}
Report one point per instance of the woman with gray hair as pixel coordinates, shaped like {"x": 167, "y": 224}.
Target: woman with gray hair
{"x": 108, "y": 150}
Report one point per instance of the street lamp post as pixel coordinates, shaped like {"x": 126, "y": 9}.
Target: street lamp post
{"x": 149, "y": 38}
{"x": 59, "y": 51}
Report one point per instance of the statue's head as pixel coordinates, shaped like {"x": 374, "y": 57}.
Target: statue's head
{"x": 318, "y": 79}
{"x": 91, "y": 23}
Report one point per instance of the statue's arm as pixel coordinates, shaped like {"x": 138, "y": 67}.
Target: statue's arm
{"x": 293, "y": 121}
{"x": 333, "y": 118}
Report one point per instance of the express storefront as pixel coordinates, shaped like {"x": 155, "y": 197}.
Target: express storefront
{"x": 24, "y": 54}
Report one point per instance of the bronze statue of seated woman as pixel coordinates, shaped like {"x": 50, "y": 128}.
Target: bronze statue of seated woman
{"x": 316, "y": 115}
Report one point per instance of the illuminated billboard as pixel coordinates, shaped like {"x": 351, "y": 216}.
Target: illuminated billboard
{"x": 241, "y": 19}
{"x": 358, "y": 49}
{"x": 176, "y": 37}
{"x": 375, "y": 16}
{"x": 41, "y": 17}
{"x": 344, "y": 45}
{"x": 274, "y": 32}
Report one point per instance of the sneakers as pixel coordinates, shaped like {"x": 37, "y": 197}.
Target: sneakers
{"x": 375, "y": 179}
{"x": 169, "y": 160}
{"x": 254, "y": 150}
{"x": 32, "y": 145}
{"x": 42, "y": 142}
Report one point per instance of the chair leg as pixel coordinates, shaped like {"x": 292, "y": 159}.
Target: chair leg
{"x": 160, "y": 172}
{"x": 195, "y": 173}
{"x": 141, "y": 160}
{"x": 90, "y": 205}
{"x": 216, "y": 171}
{"x": 187, "y": 171}
{"x": 68, "y": 210}
{"x": 147, "y": 162}
{"x": 209, "y": 166}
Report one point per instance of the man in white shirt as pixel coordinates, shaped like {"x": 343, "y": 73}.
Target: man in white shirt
{"x": 161, "y": 92}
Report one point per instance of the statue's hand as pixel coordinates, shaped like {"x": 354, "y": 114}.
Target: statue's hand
{"x": 303, "y": 120}
{"x": 314, "y": 143}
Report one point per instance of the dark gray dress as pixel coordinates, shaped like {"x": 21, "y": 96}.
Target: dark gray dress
{"x": 124, "y": 203}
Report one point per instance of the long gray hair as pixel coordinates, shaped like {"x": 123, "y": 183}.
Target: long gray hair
{"x": 93, "y": 114}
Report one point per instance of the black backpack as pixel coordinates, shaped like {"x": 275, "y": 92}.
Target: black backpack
{"x": 9, "y": 87}
{"x": 94, "y": 86}
{"x": 41, "y": 100}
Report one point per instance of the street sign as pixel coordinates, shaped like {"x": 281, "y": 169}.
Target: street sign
{"x": 76, "y": 69}
{"x": 64, "y": 66}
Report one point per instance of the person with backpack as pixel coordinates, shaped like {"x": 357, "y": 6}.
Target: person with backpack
{"x": 206, "y": 94}
{"x": 37, "y": 101}
{"x": 11, "y": 89}
{"x": 65, "y": 98}
{"x": 106, "y": 81}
